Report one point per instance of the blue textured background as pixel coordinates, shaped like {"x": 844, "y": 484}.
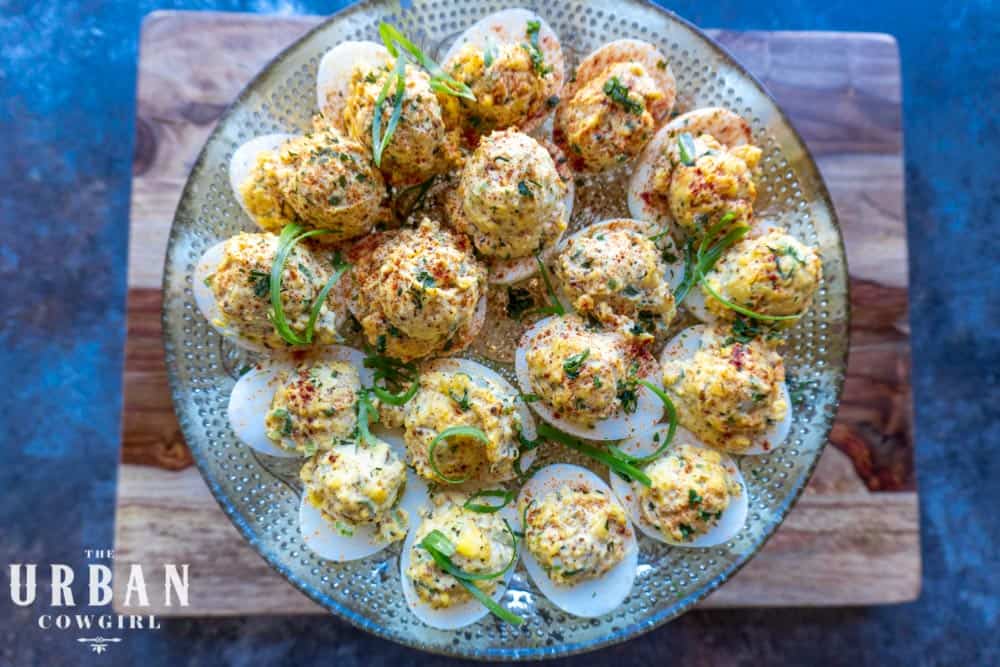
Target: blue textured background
{"x": 67, "y": 85}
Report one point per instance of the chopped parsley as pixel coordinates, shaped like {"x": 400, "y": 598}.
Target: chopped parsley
{"x": 744, "y": 331}
{"x": 693, "y": 497}
{"x": 261, "y": 282}
{"x": 524, "y": 190}
{"x": 618, "y": 93}
{"x": 426, "y": 279}
{"x": 628, "y": 390}
{"x": 574, "y": 362}
{"x": 786, "y": 251}
{"x": 462, "y": 401}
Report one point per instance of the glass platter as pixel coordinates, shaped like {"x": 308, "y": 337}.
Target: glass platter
{"x": 261, "y": 494}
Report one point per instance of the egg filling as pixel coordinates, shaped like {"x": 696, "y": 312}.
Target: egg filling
{"x": 420, "y": 146}
{"x": 241, "y": 287}
{"x": 718, "y": 182}
{"x": 447, "y": 399}
{"x": 608, "y": 120}
{"x": 509, "y": 88}
{"x": 415, "y": 290}
{"x": 690, "y": 490}
{"x": 576, "y": 533}
{"x": 356, "y": 485}
{"x": 729, "y": 392}
{"x": 482, "y": 545}
{"x": 313, "y": 409}
{"x": 323, "y": 179}
{"x": 510, "y": 199}
{"x": 772, "y": 274}
{"x": 614, "y": 271}
{"x": 583, "y": 374}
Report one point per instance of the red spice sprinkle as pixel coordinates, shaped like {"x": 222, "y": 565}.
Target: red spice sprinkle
{"x": 738, "y": 354}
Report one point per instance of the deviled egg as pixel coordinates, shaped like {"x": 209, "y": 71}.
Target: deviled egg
{"x": 417, "y": 291}
{"x": 697, "y": 496}
{"x": 585, "y": 378}
{"x": 322, "y": 180}
{"x": 621, "y": 269}
{"x": 358, "y": 499}
{"x": 512, "y": 202}
{"x": 349, "y": 82}
{"x": 232, "y": 289}
{"x": 458, "y": 393}
{"x": 579, "y": 546}
{"x": 513, "y": 63}
{"x": 731, "y": 394}
{"x": 771, "y": 273}
{"x": 699, "y": 167}
{"x": 287, "y": 407}
{"x": 620, "y": 95}
{"x": 481, "y": 544}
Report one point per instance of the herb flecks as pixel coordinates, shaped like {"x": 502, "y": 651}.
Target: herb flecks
{"x": 574, "y": 363}
{"x": 619, "y": 94}
{"x": 534, "y": 50}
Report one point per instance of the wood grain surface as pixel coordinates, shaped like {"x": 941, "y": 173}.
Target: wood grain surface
{"x": 852, "y": 539}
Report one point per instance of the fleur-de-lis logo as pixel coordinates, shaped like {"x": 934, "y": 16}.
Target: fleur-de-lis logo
{"x": 98, "y": 644}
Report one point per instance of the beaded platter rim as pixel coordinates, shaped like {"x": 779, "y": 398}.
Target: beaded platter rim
{"x": 644, "y": 621}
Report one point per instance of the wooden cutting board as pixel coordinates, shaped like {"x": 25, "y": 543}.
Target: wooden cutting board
{"x": 852, "y": 539}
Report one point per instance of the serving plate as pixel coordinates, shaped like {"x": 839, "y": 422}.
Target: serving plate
{"x": 261, "y": 494}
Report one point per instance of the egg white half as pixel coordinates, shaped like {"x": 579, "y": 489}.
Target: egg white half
{"x": 323, "y": 538}
{"x": 333, "y": 76}
{"x": 628, "y": 50}
{"x": 685, "y": 345}
{"x": 594, "y": 597}
{"x": 508, "y": 271}
{"x": 649, "y": 409}
{"x": 204, "y": 298}
{"x": 251, "y": 397}
{"x": 695, "y": 301}
{"x": 245, "y": 159}
{"x": 674, "y": 271}
{"x": 730, "y": 523}
{"x": 509, "y": 26}
{"x": 729, "y": 128}
{"x": 459, "y": 615}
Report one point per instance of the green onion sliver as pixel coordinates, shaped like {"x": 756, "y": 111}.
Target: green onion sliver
{"x": 685, "y": 145}
{"x": 703, "y": 260}
{"x": 403, "y": 398}
{"x": 740, "y": 309}
{"x": 612, "y": 460}
{"x": 488, "y": 508}
{"x": 452, "y": 431}
{"x": 555, "y": 306}
{"x": 440, "y": 548}
{"x": 380, "y": 141}
{"x": 365, "y": 409}
{"x": 668, "y": 405}
{"x": 291, "y": 234}
{"x": 438, "y": 540}
{"x": 441, "y": 81}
